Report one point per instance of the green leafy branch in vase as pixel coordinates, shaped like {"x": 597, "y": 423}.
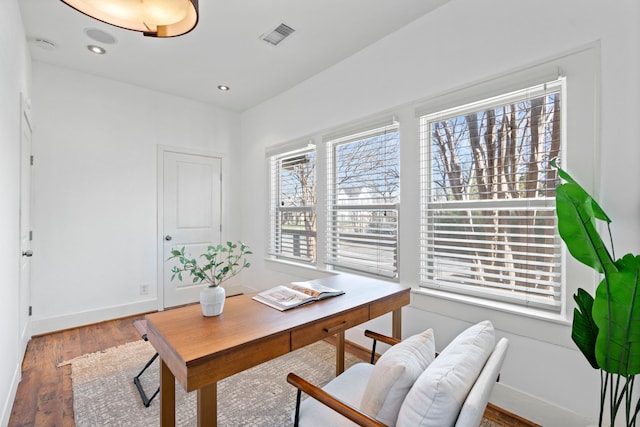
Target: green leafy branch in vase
{"x": 222, "y": 262}
{"x": 606, "y": 328}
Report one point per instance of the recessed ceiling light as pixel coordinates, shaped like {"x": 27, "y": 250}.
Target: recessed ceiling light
{"x": 96, "y": 49}
{"x": 223, "y": 88}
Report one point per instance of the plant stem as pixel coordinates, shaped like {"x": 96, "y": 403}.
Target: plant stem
{"x": 635, "y": 415}
{"x": 631, "y": 416}
{"x": 613, "y": 249}
{"x": 230, "y": 275}
{"x": 614, "y": 400}
{"x": 604, "y": 383}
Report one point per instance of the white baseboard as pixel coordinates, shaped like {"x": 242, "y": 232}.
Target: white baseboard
{"x": 13, "y": 389}
{"x": 535, "y": 409}
{"x": 73, "y": 320}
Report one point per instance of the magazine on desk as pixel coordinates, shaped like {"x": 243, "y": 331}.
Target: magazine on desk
{"x": 295, "y": 294}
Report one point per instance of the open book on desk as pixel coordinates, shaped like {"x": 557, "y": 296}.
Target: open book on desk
{"x": 284, "y": 297}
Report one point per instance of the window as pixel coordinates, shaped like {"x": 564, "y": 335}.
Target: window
{"x": 488, "y": 225}
{"x": 363, "y": 200}
{"x": 293, "y": 203}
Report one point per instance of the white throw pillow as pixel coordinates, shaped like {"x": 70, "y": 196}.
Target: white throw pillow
{"x": 437, "y": 396}
{"x": 394, "y": 374}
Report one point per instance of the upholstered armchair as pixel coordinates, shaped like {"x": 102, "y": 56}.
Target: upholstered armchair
{"x": 409, "y": 386}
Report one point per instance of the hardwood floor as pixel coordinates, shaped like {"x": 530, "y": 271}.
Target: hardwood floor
{"x": 45, "y": 396}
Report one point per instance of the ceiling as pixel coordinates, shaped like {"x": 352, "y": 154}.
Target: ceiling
{"x": 225, "y": 48}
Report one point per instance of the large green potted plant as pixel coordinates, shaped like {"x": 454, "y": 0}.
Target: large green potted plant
{"x": 220, "y": 263}
{"x": 606, "y": 327}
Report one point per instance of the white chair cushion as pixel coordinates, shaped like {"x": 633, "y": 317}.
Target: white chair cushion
{"x": 394, "y": 374}
{"x": 437, "y": 395}
{"x": 348, "y": 387}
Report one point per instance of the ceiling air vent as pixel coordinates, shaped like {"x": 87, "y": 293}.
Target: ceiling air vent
{"x": 276, "y": 36}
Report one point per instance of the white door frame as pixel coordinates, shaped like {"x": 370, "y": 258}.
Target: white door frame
{"x": 162, "y": 149}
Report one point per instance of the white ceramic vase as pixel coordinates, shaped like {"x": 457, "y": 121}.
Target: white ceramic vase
{"x": 212, "y": 300}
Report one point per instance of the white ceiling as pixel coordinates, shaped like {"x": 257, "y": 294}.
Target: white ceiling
{"x": 225, "y": 48}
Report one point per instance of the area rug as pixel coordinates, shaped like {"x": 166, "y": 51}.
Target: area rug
{"x": 104, "y": 393}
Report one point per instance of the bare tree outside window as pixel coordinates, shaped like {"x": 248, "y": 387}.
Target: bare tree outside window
{"x": 488, "y": 197}
{"x": 293, "y": 207}
{"x": 364, "y": 201}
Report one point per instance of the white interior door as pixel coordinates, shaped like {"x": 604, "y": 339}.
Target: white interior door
{"x": 25, "y": 230}
{"x": 191, "y": 216}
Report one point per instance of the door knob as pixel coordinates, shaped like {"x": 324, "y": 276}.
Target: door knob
{"x": 28, "y": 253}
{"x": 168, "y": 237}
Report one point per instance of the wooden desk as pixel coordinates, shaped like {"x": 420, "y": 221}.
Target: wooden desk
{"x": 199, "y": 351}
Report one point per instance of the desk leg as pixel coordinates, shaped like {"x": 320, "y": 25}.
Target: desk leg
{"x": 167, "y": 396}
{"x": 396, "y": 323}
{"x": 339, "y": 353}
{"x": 208, "y": 406}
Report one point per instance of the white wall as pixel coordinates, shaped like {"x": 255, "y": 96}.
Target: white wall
{"x": 95, "y": 184}
{"x": 15, "y": 76}
{"x": 465, "y": 42}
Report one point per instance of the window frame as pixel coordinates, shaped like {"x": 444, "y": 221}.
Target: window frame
{"x": 275, "y": 245}
{"x": 385, "y": 248}
{"x": 489, "y": 290}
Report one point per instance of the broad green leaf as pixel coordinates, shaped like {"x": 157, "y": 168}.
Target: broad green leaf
{"x": 585, "y": 331}
{"x": 577, "y": 227}
{"x": 598, "y": 212}
{"x": 616, "y": 311}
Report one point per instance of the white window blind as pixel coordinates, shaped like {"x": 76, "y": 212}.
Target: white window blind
{"x": 488, "y": 224}
{"x": 363, "y": 175}
{"x": 293, "y": 201}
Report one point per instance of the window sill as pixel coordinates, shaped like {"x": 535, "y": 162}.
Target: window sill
{"x": 516, "y": 309}
{"x": 294, "y": 268}
{"x": 524, "y": 321}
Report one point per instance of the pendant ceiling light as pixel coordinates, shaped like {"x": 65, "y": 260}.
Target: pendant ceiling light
{"x": 154, "y": 18}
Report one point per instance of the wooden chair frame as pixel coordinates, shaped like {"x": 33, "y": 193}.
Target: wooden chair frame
{"x": 354, "y": 414}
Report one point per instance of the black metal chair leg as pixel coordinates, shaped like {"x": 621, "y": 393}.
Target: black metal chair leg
{"x": 296, "y": 420}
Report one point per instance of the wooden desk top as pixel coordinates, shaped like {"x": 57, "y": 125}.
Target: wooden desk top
{"x": 200, "y": 350}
